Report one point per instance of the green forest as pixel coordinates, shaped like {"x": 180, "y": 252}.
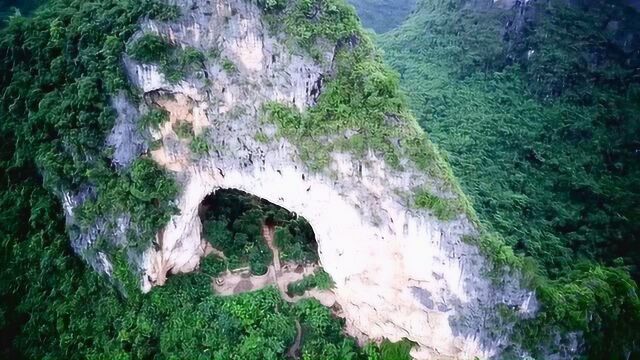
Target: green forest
{"x": 58, "y": 67}
{"x": 546, "y": 144}
{"x": 232, "y": 222}
{"x": 540, "y": 125}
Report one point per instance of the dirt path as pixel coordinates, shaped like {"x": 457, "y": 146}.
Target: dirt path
{"x": 295, "y": 347}
{"x": 209, "y": 249}
{"x": 281, "y": 275}
{"x": 267, "y": 233}
{"x": 241, "y": 280}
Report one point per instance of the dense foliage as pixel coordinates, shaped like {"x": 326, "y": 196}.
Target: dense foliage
{"x": 295, "y": 239}
{"x": 58, "y": 70}
{"x": 546, "y": 144}
{"x": 233, "y": 223}
{"x": 52, "y": 307}
{"x": 319, "y": 279}
{"x": 175, "y": 62}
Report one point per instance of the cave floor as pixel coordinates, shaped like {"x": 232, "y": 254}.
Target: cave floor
{"x": 241, "y": 280}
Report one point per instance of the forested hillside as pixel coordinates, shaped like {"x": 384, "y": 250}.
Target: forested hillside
{"x": 58, "y": 68}
{"x": 538, "y": 109}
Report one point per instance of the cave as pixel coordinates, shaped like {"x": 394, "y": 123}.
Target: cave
{"x": 377, "y": 246}
{"x": 251, "y": 243}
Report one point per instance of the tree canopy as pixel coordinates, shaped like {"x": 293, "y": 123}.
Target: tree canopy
{"x": 540, "y": 125}
{"x": 59, "y": 68}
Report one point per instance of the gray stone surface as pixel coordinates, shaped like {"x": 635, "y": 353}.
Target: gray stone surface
{"x": 400, "y": 272}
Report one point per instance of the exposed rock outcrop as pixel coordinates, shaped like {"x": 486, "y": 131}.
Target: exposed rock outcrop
{"x": 399, "y": 272}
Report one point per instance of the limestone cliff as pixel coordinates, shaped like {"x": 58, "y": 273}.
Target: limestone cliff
{"x": 399, "y": 270}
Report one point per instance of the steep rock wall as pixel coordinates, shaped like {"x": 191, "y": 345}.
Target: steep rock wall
{"x": 400, "y": 272}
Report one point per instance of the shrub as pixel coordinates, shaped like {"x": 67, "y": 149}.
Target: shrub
{"x": 174, "y": 61}
{"x": 199, "y": 145}
{"x": 396, "y": 350}
{"x": 154, "y": 118}
{"x": 183, "y": 129}
{"x": 150, "y": 48}
{"x": 272, "y": 5}
{"x": 320, "y": 279}
{"x": 262, "y": 137}
{"x": 229, "y": 66}
{"x": 212, "y": 265}
{"x": 190, "y": 59}
{"x": 443, "y": 209}
{"x": 155, "y": 145}
{"x": 260, "y": 257}
{"x": 296, "y": 241}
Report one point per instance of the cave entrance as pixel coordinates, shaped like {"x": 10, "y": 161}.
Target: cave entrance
{"x": 253, "y": 243}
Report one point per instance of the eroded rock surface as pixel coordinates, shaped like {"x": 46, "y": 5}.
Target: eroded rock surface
{"x": 399, "y": 272}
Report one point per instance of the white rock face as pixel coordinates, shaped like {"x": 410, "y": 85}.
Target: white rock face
{"x": 399, "y": 272}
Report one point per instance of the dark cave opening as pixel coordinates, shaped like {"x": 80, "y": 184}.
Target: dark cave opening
{"x": 239, "y": 227}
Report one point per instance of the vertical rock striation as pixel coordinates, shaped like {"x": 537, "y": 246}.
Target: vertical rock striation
{"x": 400, "y": 272}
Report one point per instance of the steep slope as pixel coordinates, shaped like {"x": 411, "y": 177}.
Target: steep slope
{"x": 286, "y": 101}
{"x": 399, "y": 270}
{"x": 536, "y": 105}
{"x": 58, "y": 68}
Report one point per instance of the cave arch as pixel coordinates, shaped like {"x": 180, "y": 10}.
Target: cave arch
{"x": 375, "y": 249}
{"x": 253, "y": 233}
{"x": 399, "y": 272}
